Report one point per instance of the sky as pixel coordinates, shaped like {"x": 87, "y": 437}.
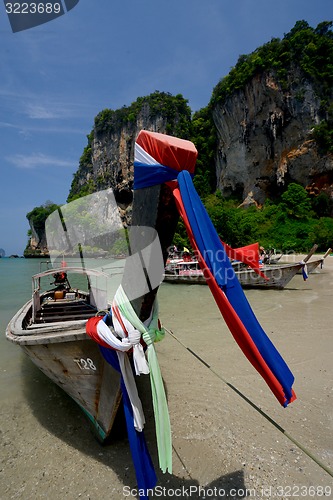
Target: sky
{"x": 56, "y": 77}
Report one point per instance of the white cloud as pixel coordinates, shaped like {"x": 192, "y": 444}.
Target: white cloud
{"x": 37, "y": 111}
{"x": 51, "y": 108}
{"x": 45, "y": 106}
{"x": 7, "y": 125}
{"x": 38, "y": 160}
{"x": 26, "y": 129}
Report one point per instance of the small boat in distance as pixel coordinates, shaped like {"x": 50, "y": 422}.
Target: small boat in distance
{"x": 184, "y": 271}
{"x": 278, "y": 275}
{"x": 312, "y": 265}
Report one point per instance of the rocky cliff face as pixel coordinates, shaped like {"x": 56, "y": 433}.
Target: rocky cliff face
{"x": 107, "y": 161}
{"x": 37, "y": 246}
{"x": 111, "y": 153}
{"x": 265, "y": 139}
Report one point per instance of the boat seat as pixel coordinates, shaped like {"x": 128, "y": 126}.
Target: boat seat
{"x": 64, "y": 317}
{"x": 63, "y": 310}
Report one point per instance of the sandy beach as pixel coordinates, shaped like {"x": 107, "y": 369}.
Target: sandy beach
{"x": 231, "y": 438}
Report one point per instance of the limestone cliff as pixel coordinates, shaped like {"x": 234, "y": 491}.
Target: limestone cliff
{"x": 38, "y": 241}
{"x": 265, "y": 138}
{"x": 108, "y": 158}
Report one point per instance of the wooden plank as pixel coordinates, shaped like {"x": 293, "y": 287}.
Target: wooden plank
{"x": 64, "y": 317}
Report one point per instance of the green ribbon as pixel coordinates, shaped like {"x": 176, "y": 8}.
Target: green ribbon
{"x": 150, "y": 335}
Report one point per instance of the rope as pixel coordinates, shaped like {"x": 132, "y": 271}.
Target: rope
{"x": 259, "y": 410}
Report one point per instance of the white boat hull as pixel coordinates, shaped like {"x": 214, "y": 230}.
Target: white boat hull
{"x": 66, "y": 354}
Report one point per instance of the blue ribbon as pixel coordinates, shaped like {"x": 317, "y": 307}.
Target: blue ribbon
{"x": 143, "y": 465}
{"x": 304, "y": 273}
{"x": 150, "y": 175}
{"x": 213, "y": 252}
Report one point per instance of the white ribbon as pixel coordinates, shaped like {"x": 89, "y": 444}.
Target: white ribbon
{"x": 142, "y": 156}
{"x": 305, "y": 267}
{"x": 121, "y": 347}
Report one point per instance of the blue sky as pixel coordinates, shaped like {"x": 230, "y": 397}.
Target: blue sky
{"x": 56, "y": 77}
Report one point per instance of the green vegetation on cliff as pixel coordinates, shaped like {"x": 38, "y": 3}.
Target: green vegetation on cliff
{"x": 311, "y": 49}
{"x": 295, "y": 222}
{"x": 173, "y": 109}
{"x": 205, "y": 140}
{"x": 306, "y": 48}
{"x": 85, "y": 169}
{"x": 38, "y": 216}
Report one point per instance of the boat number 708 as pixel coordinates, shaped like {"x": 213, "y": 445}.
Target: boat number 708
{"x": 85, "y": 364}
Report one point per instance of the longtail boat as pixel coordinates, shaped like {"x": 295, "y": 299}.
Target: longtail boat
{"x": 96, "y": 362}
{"x": 313, "y": 264}
{"x": 51, "y": 330}
{"x": 276, "y": 276}
{"x": 51, "y": 327}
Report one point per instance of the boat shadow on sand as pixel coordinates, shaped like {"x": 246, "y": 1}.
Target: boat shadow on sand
{"x": 62, "y": 417}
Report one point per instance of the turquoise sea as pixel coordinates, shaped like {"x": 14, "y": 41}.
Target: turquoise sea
{"x": 15, "y": 290}
{"x": 15, "y": 286}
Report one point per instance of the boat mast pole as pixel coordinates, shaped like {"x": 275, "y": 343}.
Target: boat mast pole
{"x": 153, "y": 207}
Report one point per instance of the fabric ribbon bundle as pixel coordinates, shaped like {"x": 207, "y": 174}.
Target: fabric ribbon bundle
{"x": 221, "y": 278}
{"x": 229, "y": 294}
{"x": 122, "y": 346}
{"x": 164, "y": 159}
{"x": 116, "y": 344}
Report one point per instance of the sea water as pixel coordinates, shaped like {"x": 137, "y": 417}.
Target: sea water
{"x": 15, "y": 290}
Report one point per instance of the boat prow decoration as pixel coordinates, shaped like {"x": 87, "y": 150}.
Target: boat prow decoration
{"x": 217, "y": 268}
{"x": 88, "y": 357}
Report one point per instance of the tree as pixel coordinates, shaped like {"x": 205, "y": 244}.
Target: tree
{"x": 38, "y": 216}
{"x": 296, "y": 202}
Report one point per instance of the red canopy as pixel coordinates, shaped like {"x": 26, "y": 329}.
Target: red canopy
{"x": 178, "y": 154}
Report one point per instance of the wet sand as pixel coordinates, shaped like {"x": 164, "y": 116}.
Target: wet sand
{"x": 230, "y": 435}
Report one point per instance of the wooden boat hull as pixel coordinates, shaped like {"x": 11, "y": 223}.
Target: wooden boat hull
{"x": 279, "y": 277}
{"x": 189, "y": 279}
{"x": 65, "y": 354}
{"x": 313, "y": 264}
